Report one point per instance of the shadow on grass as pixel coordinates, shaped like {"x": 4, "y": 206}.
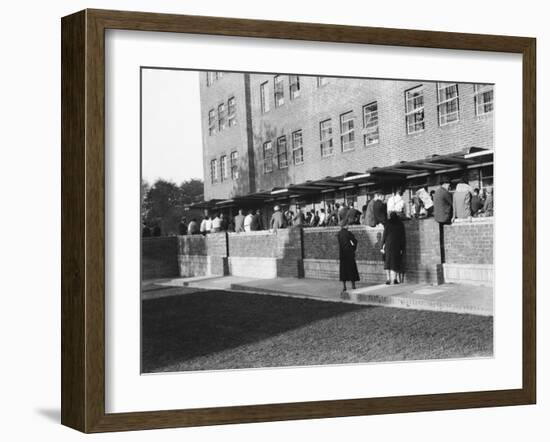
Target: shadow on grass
{"x": 179, "y": 328}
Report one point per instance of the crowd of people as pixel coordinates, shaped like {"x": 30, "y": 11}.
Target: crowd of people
{"x": 445, "y": 204}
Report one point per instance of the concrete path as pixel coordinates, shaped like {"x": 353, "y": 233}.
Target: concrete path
{"x": 455, "y": 298}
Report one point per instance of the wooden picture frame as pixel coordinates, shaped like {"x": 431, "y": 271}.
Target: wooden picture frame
{"x": 83, "y": 220}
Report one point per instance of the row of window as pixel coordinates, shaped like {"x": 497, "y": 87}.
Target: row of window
{"x": 448, "y": 108}
{"x": 279, "y": 90}
{"x": 224, "y": 118}
{"x": 448, "y": 112}
{"x": 220, "y": 173}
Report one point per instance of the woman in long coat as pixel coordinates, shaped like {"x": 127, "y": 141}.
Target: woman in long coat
{"x": 393, "y": 247}
{"x": 348, "y": 267}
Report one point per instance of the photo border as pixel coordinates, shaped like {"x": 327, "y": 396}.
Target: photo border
{"x": 83, "y": 219}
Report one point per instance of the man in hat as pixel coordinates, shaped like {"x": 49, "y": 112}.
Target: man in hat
{"x": 277, "y": 219}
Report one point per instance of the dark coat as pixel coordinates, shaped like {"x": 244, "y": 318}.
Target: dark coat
{"x": 443, "y": 206}
{"x": 369, "y": 219}
{"x": 352, "y": 216}
{"x": 347, "y": 245}
{"x": 476, "y": 204}
{"x": 394, "y": 243}
{"x": 256, "y": 223}
{"x": 380, "y": 212}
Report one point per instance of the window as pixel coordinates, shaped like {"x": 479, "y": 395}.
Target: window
{"x": 325, "y": 132}
{"x": 282, "y": 158}
{"x": 347, "y": 131}
{"x": 223, "y": 167}
{"x": 221, "y": 116}
{"x": 268, "y": 157}
{"x": 231, "y": 112}
{"x": 209, "y": 78}
{"x": 264, "y": 97}
{"x": 370, "y": 123}
{"x": 297, "y": 147}
{"x": 234, "y": 166}
{"x": 294, "y": 86}
{"x": 321, "y": 81}
{"x": 483, "y": 97}
{"x": 414, "y": 110}
{"x": 211, "y": 122}
{"x": 214, "y": 171}
{"x": 447, "y": 103}
{"x": 278, "y": 91}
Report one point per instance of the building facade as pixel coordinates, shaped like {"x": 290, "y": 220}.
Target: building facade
{"x": 288, "y": 129}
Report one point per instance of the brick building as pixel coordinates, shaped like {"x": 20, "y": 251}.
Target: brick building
{"x": 309, "y": 140}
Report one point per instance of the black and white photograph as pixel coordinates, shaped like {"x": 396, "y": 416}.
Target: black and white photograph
{"x": 296, "y": 220}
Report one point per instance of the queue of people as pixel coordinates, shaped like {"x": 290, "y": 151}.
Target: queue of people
{"x": 445, "y": 204}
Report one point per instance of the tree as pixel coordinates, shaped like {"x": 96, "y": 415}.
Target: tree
{"x": 163, "y": 202}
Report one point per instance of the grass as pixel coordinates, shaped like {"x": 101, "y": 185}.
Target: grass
{"x": 211, "y": 330}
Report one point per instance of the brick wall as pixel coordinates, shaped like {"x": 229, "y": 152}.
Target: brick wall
{"x": 422, "y": 257}
{"x": 469, "y": 242}
{"x": 253, "y": 244}
{"x": 279, "y": 253}
{"x": 313, "y": 253}
{"x": 159, "y": 257}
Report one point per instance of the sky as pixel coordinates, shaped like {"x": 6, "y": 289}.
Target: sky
{"x": 171, "y": 125}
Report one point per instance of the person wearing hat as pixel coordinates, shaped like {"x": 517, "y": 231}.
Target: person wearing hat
{"x": 443, "y": 203}
{"x": 277, "y": 219}
{"x": 443, "y": 211}
{"x": 347, "y": 244}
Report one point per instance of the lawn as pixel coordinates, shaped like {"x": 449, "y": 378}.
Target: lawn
{"x": 210, "y": 330}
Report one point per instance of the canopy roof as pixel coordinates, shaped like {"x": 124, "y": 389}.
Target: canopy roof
{"x": 396, "y": 173}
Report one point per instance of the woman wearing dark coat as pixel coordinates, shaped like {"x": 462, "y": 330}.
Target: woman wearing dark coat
{"x": 393, "y": 247}
{"x": 348, "y": 267}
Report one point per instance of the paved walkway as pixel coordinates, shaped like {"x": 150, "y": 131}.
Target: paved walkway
{"x": 455, "y": 298}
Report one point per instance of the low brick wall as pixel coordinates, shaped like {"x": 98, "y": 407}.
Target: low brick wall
{"x": 266, "y": 254}
{"x": 200, "y": 255}
{"x": 469, "y": 242}
{"x": 422, "y": 257}
{"x": 313, "y": 253}
{"x": 469, "y": 251}
{"x": 159, "y": 257}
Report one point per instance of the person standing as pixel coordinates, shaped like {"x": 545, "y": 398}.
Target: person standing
{"x": 316, "y": 218}
{"x": 476, "y": 202}
{"x": 239, "y": 222}
{"x": 193, "y": 227}
{"x": 216, "y": 224}
{"x": 182, "y": 226}
{"x": 247, "y": 221}
{"x": 443, "y": 212}
{"x": 347, "y": 245}
{"x": 352, "y": 215}
{"x": 393, "y": 248}
{"x": 379, "y": 210}
{"x": 462, "y": 200}
{"x": 368, "y": 218}
{"x": 396, "y": 203}
{"x": 322, "y": 218}
{"x": 443, "y": 204}
{"x": 256, "y": 223}
{"x": 298, "y": 219}
{"x": 277, "y": 219}
{"x": 342, "y": 214}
